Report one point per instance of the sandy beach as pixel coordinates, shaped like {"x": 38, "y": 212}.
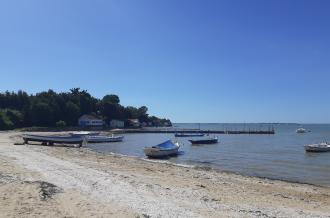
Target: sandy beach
{"x": 44, "y": 181}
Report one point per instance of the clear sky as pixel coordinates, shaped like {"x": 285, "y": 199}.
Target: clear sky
{"x": 188, "y": 60}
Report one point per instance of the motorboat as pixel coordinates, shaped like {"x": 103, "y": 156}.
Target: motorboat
{"x": 301, "y": 130}
{"x": 103, "y": 138}
{"x": 204, "y": 140}
{"x": 164, "y": 149}
{"x": 320, "y": 147}
{"x": 197, "y": 134}
{"x": 51, "y": 140}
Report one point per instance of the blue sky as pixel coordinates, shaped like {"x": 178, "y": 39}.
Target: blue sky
{"x": 188, "y": 60}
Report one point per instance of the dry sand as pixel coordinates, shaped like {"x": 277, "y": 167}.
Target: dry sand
{"x": 42, "y": 181}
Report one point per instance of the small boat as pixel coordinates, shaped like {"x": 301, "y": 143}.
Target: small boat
{"x": 320, "y": 147}
{"x": 84, "y": 133}
{"x": 164, "y": 149}
{"x": 207, "y": 140}
{"x": 301, "y": 130}
{"x": 101, "y": 138}
{"x": 197, "y": 134}
{"x": 50, "y": 140}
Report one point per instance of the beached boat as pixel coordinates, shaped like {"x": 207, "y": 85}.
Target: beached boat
{"x": 164, "y": 149}
{"x": 207, "y": 140}
{"x": 197, "y": 134}
{"x": 50, "y": 140}
{"x": 301, "y": 130}
{"x": 102, "y": 139}
{"x": 320, "y": 147}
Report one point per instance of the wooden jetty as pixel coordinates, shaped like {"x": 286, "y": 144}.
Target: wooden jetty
{"x": 182, "y": 131}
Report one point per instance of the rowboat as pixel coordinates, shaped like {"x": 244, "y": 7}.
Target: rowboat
{"x": 208, "y": 140}
{"x": 197, "y": 134}
{"x": 321, "y": 147}
{"x": 164, "y": 149}
{"x": 50, "y": 140}
{"x": 100, "y": 139}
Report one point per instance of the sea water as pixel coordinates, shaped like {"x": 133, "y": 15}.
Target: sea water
{"x": 279, "y": 156}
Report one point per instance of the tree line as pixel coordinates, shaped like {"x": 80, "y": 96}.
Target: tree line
{"x": 50, "y": 109}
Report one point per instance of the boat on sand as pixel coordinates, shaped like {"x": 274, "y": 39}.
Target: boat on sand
{"x": 207, "y": 140}
{"x": 164, "y": 149}
{"x": 320, "y": 147}
{"x": 51, "y": 140}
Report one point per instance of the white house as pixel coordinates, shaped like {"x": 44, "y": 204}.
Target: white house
{"x": 90, "y": 121}
{"x": 117, "y": 124}
{"x": 134, "y": 122}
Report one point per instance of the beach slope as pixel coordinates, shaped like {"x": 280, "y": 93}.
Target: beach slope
{"x": 42, "y": 181}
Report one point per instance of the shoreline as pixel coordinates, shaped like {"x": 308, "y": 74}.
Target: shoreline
{"x": 204, "y": 168}
{"x": 132, "y": 187}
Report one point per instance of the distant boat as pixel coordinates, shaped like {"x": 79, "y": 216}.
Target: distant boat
{"x": 321, "y": 147}
{"x": 84, "y": 133}
{"x": 197, "y": 134}
{"x": 164, "y": 149}
{"x": 301, "y": 130}
{"x": 50, "y": 140}
{"x": 102, "y": 139}
{"x": 208, "y": 140}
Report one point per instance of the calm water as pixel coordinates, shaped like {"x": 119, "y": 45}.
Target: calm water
{"x": 279, "y": 156}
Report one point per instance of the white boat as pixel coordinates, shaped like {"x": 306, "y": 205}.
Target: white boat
{"x": 164, "y": 149}
{"x": 301, "y": 130}
{"x": 101, "y": 138}
{"x": 321, "y": 147}
{"x": 50, "y": 140}
{"x": 84, "y": 133}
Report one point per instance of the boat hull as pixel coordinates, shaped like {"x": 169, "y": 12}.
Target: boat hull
{"x": 204, "y": 141}
{"x": 189, "y": 134}
{"x": 104, "y": 139}
{"x": 317, "y": 149}
{"x": 53, "y": 139}
{"x": 155, "y": 152}
{"x": 165, "y": 149}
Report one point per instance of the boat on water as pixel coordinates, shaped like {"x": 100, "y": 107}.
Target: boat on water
{"x": 197, "y": 134}
{"x": 51, "y": 140}
{"x": 84, "y": 133}
{"x": 301, "y": 130}
{"x": 320, "y": 147}
{"x": 102, "y": 139}
{"x": 164, "y": 149}
{"x": 207, "y": 140}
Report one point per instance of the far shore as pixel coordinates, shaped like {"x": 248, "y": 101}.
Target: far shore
{"x": 45, "y": 181}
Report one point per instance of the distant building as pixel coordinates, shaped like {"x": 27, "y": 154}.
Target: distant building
{"x": 133, "y": 122}
{"x": 117, "y": 124}
{"x": 90, "y": 121}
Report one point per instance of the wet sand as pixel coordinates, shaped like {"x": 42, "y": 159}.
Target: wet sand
{"x": 42, "y": 181}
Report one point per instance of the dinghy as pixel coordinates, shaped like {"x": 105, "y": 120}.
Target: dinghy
{"x": 321, "y": 147}
{"x": 103, "y": 139}
{"x": 206, "y": 140}
{"x": 50, "y": 140}
{"x": 164, "y": 149}
{"x": 197, "y": 134}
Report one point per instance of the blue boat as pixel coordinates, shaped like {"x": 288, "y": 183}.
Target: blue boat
{"x": 164, "y": 149}
{"x": 197, "y": 134}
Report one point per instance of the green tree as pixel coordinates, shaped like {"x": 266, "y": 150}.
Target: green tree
{"x": 41, "y": 114}
{"x": 113, "y": 99}
{"x": 72, "y": 113}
